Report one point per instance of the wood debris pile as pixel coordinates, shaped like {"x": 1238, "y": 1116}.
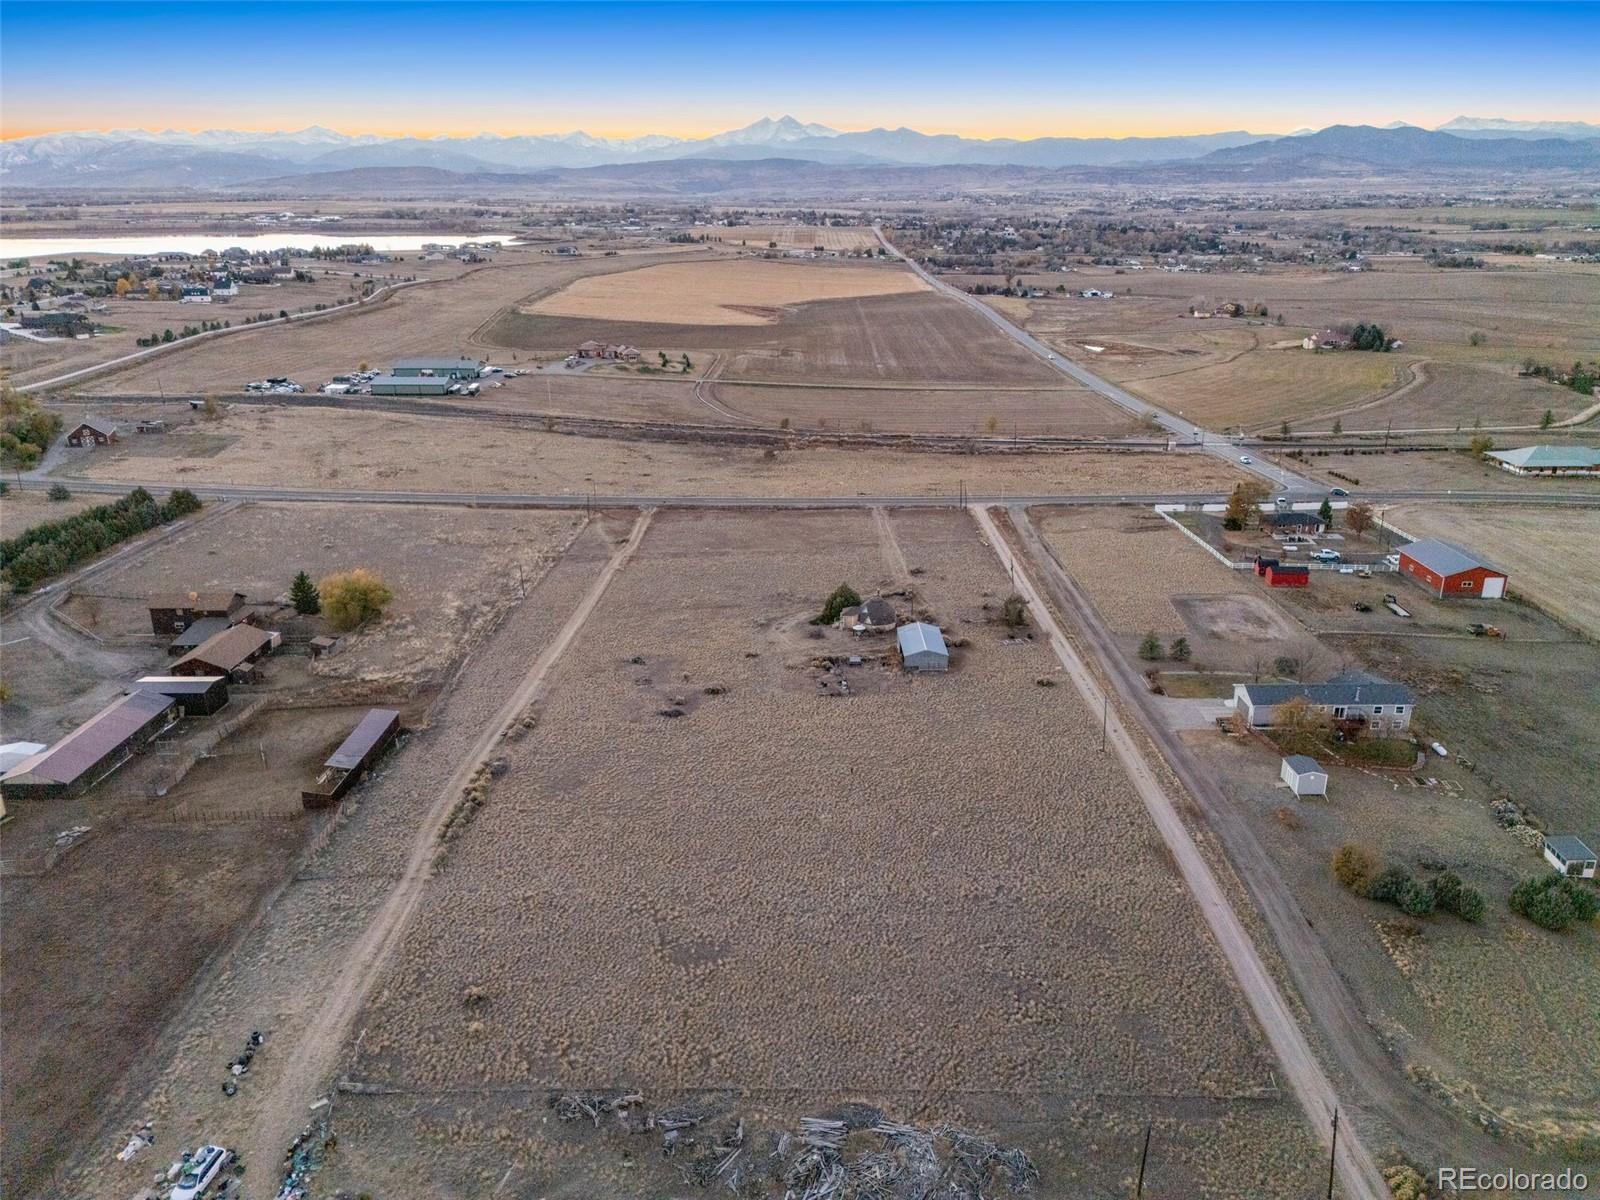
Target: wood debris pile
{"x": 849, "y": 1153}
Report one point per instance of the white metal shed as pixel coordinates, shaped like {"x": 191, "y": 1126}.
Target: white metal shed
{"x": 1304, "y": 776}
{"x": 922, "y": 647}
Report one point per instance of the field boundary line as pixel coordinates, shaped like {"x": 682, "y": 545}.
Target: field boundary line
{"x": 1201, "y": 542}
{"x": 311, "y": 1062}
{"x": 1303, "y": 1073}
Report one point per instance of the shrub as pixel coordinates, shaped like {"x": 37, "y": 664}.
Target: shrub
{"x": 1353, "y": 867}
{"x": 1014, "y": 611}
{"x": 1150, "y": 648}
{"x": 844, "y": 596}
{"x": 1553, "y": 901}
{"x": 1180, "y": 651}
{"x": 352, "y": 598}
{"x": 59, "y": 491}
{"x": 1416, "y": 899}
{"x": 1389, "y": 885}
{"x": 181, "y": 502}
{"x": 1469, "y": 905}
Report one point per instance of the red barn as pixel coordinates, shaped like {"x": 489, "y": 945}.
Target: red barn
{"x": 1447, "y": 569}
{"x": 1284, "y": 575}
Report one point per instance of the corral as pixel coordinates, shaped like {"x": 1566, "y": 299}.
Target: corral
{"x": 945, "y": 960}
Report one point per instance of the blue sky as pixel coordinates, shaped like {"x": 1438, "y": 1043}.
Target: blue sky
{"x": 985, "y": 70}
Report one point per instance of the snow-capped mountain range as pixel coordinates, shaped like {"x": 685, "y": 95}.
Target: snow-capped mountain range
{"x": 220, "y": 157}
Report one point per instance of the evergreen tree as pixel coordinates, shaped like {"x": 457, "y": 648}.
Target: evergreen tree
{"x": 303, "y": 594}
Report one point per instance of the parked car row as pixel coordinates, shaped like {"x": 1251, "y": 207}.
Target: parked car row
{"x": 279, "y": 384}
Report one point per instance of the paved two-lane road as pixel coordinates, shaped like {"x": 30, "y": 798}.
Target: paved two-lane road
{"x": 1184, "y": 430}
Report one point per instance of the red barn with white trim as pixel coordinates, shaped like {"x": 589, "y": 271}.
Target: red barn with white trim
{"x": 1447, "y": 569}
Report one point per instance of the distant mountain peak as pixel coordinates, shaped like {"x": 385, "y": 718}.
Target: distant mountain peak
{"x": 771, "y": 130}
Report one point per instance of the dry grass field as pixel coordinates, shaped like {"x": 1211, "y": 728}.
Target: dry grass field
{"x": 1252, "y": 372}
{"x": 1450, "y": 396}
{"x": 742, "y": 292}
{"x": 795, "y": 237}
{"x": 1132, "y": 562}
{"x": 916, "y": 337}
{"x": 1441, "y": 470}
{"x": 453, "y": 574}
{"x": 1067, "y": 410}
{"x": 795, "y": 899}
{"x": 437, "y": 318}
{"x": 21, "y": 510}
{"x": 312, "y": 448}
{"x": 1552, "y": 555}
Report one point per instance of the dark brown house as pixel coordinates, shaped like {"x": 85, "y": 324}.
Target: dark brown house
{"x": 173, "y": 612}
{"x": 232, "y": 653}
{"x": 92, "y": 431}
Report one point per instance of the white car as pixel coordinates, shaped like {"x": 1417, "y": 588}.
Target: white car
{"x": 204, "y": 1167}
{"x": 1246, "y": 459}
{"x": 1326, "y": 555}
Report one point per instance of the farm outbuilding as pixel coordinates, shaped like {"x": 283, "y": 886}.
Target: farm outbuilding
{"x": 197, "y": 695}
{"x": 412, "y": 385}
{"x": 1549, "y": 460}
{"x": 355, "y": 754}
{"x": 1447, "y": 569}
{"x": 92, "y": 431}
{"x": 197, "y": 634}
{"x": 1571, "y": 856}
{"x": 231, "y": 653}
{"x": 95, "y": 749}
{"x": 1304, "y": 776}
{"x": 1285, "y": 575}
{"x": 173, "y": 612}
{"x": 440, "y": 368}
{"x": 922, "y": 647}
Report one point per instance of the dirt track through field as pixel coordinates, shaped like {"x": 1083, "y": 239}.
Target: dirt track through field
{"x": 1303, "y": 1073}
{"x": 892, "y": 554}
{"x": 315, "y": 1053}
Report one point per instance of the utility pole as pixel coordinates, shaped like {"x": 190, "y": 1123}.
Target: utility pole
{"x": 1333, "y": 1152}
{"x": 1143, "y": 1157}
{"x": 1105, "y": 718}
{"x": 1386, "y": 430}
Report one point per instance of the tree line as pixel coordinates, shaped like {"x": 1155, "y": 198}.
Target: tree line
{"x": 48, "y": 549}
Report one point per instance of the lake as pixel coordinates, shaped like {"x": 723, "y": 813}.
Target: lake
{"x": 197, "y": 243}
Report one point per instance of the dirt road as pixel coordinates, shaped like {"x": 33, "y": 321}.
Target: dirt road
{"x": 1358, "y": 1172}
{"x": 316, "y": 1052}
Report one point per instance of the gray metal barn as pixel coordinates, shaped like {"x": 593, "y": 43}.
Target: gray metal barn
{"x": 922, "y": 647}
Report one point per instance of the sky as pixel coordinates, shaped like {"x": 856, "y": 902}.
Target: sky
{"x": 623, "y": 69}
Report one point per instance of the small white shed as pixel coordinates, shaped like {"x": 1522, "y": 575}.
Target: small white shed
{"x": 922, "y": 647}
{"x": 1304, "y": 776}
{"x": 1570, "y": 856}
